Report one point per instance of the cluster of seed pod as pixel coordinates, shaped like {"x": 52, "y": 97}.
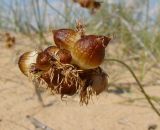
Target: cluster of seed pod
{"x": 70, "y": 67}
{"x": 89, "y": 4}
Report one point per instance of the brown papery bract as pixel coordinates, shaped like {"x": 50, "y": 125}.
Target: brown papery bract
{"x": 52, "y": 50}
{"x": 43, "y": 61}
{"x": 96, "y": 82}
{"x": 61, "y": 55}
{"x": 89, "y": 51}
{"x": 65, "y": 38}
{"x": 64, "y": 56}
{"x": 26, "y": 60}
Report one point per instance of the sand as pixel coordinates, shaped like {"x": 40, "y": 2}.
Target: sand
{"x": 108, "y": 111}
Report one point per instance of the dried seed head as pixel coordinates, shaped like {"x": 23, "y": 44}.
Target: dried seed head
{"x": 56, "y": 71}
{"x": 66, "y": 79}
{"x": 26, "y": 60}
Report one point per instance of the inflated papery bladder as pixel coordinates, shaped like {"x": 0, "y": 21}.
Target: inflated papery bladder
{"x": 71, "y": 67}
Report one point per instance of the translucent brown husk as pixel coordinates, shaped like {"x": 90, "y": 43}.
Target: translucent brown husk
{"x": 66, "y": 79}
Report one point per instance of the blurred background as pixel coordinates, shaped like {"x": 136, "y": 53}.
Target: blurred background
{"x": 134, "y": 26}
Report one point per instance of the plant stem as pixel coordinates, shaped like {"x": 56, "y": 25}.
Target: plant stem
{"x": 139, "y": 84}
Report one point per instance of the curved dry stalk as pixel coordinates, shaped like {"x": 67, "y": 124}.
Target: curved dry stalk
{"x": 139, "y": 84}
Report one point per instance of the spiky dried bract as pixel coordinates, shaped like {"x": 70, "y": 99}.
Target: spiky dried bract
{"x": 67, "y": 79}
{"x": 59, "y": 78}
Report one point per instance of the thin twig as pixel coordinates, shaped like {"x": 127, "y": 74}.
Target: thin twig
{"x": 139, "y": 84}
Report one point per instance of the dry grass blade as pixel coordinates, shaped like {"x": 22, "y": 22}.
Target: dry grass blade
{"x": 37, "y": 124}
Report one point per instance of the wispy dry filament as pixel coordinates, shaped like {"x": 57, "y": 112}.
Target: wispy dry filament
{"x": 66, "y": 79}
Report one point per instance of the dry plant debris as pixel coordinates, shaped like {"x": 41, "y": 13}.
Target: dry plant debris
{"x": 9, "y": 40}
{"x": 89, "y": 4}
{"x": 71, "y": 67}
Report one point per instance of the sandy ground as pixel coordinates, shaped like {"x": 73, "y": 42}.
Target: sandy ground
{"x": 108, "y": 111}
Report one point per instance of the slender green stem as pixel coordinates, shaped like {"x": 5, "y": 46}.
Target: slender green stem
{"x": 139, "y": 84}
